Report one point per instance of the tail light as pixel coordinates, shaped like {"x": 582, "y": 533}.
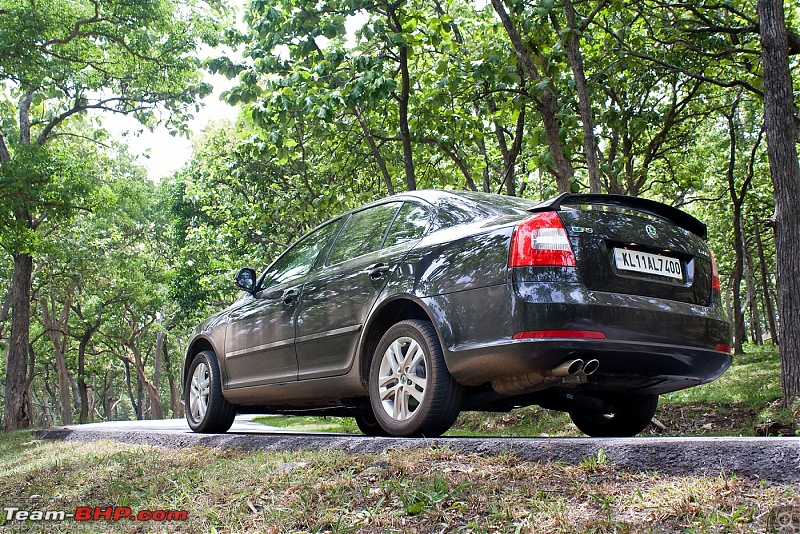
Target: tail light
{"x": 541, "y": 241}
{"x": 715, "y": 286}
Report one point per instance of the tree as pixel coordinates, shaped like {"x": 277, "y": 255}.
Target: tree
{"x": 781, "y": 127}
{"x": 62, "y": 59}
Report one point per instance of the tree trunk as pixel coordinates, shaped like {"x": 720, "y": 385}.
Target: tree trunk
{"x": 175, "y": 397}
{"x": 738, "y": 241}
{"x": 769, "y": 308}
{"x": 546, "y": 102}
{"x": 752, "y": 297}
{"x": 573, "y": 50}
{"x": 146, "y": 386}
{"x": 57, "y": 328}
{"x": 781, "y": 131}
{"x": 159, "y": 361}
{"x": 376, "y": 152}
{"x": 128, "y": 383}
{"x": 396, "y": 25}
{"x": 108, "y": 397}
{"x": 16, "y": 414}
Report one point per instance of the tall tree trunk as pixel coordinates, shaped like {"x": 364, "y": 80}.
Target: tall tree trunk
{"x": 159, "y": 359}
{"x": 376, "y": 151}
{"x": 396, "y": 25}
{"x": 769, "y": 308}
{"x": 109, "y": 402}
{"x": 573, "y": 50}
{"x": 752, "y": 297}
{"x": 129, "y": 386}
{"x": 17, "y": 398}
{"x": 83, "y": 389}
{"x": 546, "y": 102}
{"x": 405, "y": 132}
{"x": 57, "y": 327}
{"x": 175, "y": 397}
{"x": 146, "y": 386}
{"x": 781, "y": 131}
{"x": 16, "y": 414}
{"x": 738, "y": 242}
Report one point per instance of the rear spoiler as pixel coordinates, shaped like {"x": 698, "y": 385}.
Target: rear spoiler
{"x": 651, "y": 207}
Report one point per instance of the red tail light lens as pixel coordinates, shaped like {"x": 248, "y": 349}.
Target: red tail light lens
{"x": 541, "y": 241}
{"x": 714, "y": 275}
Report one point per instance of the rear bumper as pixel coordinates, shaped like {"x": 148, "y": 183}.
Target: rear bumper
{"x": 651, "y": 346}
{"x": 624, "y": 366}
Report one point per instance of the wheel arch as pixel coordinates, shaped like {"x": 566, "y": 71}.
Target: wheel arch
{"x": 384, "y": 317}
{"x": 198, "y": 345}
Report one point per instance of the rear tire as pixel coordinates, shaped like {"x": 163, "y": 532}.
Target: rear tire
{"x": 370, "y": 426}
{"x": 411, "y": 391}
{"x": 207, "y": 411}
{"x": 631, "y": 415}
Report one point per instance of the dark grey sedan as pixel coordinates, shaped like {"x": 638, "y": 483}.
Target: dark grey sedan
{"x": 405, "y": 312}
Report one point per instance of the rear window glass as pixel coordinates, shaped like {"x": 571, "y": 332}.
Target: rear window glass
{"x": 409, "y": 225}
{"x": 363, "y": 232}
{"x": 501, "y": 204}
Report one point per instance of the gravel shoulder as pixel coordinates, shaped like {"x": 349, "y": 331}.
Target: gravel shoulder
{"x": 775, "y": 460}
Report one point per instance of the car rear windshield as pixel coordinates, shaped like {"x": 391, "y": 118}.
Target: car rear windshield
{"x": 500, "y": 204}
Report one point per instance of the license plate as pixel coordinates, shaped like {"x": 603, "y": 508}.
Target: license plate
{"x": 644, "y": 262}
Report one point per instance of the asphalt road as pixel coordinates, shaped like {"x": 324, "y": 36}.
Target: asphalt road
{"x": 771, "y": 459}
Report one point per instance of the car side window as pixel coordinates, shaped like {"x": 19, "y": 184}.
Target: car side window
{"x": 409, "y": 225}
{"x": 299, "y": 259}
{"x": 363, "y": 232}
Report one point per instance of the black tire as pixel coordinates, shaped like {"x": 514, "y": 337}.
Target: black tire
{"x": 631, "y": 415}
{"x": 412, "y": 393}
{"x": 207, "y": 411}
{"x": 369, "y": 426}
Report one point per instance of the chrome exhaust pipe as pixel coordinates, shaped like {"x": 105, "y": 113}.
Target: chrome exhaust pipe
{"x": 569, "y": 373}
{"x": 591, "y": 366}
{"x": 569, "y": 367}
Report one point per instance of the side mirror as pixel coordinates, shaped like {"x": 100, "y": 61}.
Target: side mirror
{"x": 246, "y": 279}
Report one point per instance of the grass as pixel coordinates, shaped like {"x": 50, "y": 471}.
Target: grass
{"x": 431, "y": 490}
{"x": 743, "y": 402}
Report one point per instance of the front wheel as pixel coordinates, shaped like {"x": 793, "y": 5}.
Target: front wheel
{"x": 411, "y": 391}
{"x": 631, "y": 415}
{"x": 207, "y": 411}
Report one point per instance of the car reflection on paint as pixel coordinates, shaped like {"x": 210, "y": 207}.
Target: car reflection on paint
{"x": 409, "y": 310}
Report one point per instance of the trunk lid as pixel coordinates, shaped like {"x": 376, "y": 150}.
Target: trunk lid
{"x": 624, "y": 250}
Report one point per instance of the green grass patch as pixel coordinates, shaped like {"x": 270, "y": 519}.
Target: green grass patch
{"x": 753, "y": 379}
{"x": 301, "y": 423}
{"x": 428, "y": 490}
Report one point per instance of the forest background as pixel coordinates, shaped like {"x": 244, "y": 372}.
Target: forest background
{"x": 104, "y": 273}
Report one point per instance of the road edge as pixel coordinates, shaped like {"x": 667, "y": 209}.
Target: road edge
{"x": 775, "y": 460}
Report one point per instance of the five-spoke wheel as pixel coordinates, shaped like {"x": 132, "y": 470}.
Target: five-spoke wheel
{"x": 207, "y": 410}
{"x": 411, "y": 390}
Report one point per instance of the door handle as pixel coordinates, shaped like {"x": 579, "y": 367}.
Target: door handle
{"x": 289, "y": 295}
{"x": 378, "y": 270}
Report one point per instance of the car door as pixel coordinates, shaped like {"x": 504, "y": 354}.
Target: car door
{"x": 337, "y": 299}
{"x": 260, "y": 337}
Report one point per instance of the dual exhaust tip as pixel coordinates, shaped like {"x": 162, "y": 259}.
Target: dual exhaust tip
{"x": 576, "y": 367}
{"x": 570, "y": 373}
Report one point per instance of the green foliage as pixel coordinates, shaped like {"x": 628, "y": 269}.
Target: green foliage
{"x": 113, "y": 55}
{"x": 50, "y": 183}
